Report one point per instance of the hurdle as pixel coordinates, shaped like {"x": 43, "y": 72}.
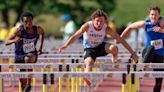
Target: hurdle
{"x": 76, "y": 74}
{"x": 43, "y": 66}
{"x": 66, "y": 56}
{"x": 57, "y": 75}
{"x": 104, "y": 74}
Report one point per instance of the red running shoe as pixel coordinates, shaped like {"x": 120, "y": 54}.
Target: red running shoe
{"x": 87, "y": 81}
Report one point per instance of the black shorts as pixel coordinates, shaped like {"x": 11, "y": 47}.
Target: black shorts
{"x": 152, "y": 58}
{"x": 21, "y": 59}
{"x": 95, "y": 52}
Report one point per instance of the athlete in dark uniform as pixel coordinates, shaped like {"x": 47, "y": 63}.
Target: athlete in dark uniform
{"x": 25, "y": 39}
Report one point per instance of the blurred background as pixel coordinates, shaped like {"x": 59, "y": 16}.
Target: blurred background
{"x": 48, "y": 13}
{"x": 58, "y": 16}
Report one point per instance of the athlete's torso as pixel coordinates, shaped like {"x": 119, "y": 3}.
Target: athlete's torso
{"x": 93, "y": 38}
{"x": 28, "y": 42}
{"x": 153, "y": 38}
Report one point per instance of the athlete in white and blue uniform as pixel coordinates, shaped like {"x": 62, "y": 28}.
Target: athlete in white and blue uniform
{"x": 153, "y": 38}
{"x": 93, "y": 38}
{"x": 25, "y": 39}
{"x": 154, "y": 48}
{"x": 94, "y": 33}
{"x": 93, "y": 42}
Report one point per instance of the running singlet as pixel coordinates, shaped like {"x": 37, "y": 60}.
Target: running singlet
{"x": 153, "y": 38}
{"x": 93, "y": 38}
{"x": 27, "y": 44}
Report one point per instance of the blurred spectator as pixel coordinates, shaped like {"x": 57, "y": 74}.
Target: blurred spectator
{"x": 69, "y": 27}
{"x": 3, "y": 33}
{"x": 111, "y": 23}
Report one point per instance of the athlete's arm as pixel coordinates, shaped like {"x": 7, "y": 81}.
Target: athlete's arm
{"x": 75, "y": 36}
{"x": 14, "y": 38}
{"x": 135, "y": 25}
{"x": 161, "y": 28}
{"x": 124, "y": 43}
{"x": 41, "y": 36}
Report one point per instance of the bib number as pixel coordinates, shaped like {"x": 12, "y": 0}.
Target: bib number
{"x": 28, "y": 47}
{"x": 158, "y": 44}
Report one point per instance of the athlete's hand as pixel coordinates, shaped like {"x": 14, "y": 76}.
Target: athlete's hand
{"x": 39, "y": 52}
{"x": 61, "y": 48}
{"x": 17, "y": 39}
{"x": 157, "y": 29}
{"x": 135, "y": 57}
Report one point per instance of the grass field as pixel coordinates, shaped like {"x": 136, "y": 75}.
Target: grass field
{"x": 132, "y": 10}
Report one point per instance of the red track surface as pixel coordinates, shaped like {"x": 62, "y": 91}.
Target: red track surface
{"x": 107, "y": 85}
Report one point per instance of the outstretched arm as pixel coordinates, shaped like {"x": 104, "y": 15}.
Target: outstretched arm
{"x": 124, "y": 43}
{"x": 41, "y": 36}
{"x": 74, "y": 37}
{"x": 135, "y": 25}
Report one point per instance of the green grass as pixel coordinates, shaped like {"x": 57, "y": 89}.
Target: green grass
{"x": 133, "y": 10}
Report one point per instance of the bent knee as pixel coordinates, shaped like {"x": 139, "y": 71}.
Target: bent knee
{"x": 112, "y": 49}
{"x": 30, "y": 58}
{"x": 89, "y": 61}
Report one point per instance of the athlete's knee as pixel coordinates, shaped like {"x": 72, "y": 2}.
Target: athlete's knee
{"x": 148, "y": 54}
{"x": 89, "y": 62}
{"x": 113, "y": 49}
{"x": 30, "y": 58}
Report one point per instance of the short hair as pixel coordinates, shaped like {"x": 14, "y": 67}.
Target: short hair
{"x": 155, "y": 7}
{"x": 26, "y": 14}
{"x": 99, "y": 13}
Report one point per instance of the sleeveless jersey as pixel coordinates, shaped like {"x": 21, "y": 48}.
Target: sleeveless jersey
{"x": 153, "y": 38}
{"x": 93, "y": 38}
{"x": 27, "y": 44}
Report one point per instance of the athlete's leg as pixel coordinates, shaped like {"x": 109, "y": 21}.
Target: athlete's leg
{"x": 29, "y": 58}
{"x": 148, "y": 54}
{"x": 89, "y": 58}
{"x": 158, "y": 84}
{"x": 158, "y": 81}
{"x": 89, "y": 62}
{"x": 109, "y": 48}
{"x": 23, "y": 81}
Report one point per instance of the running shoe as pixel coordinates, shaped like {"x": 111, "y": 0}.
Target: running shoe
{"x": 27, "y": 88}
{"x": 87, "y": 81}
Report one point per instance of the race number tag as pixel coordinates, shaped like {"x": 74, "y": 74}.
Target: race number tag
{"x": 95, "y": 42}
{"x": 28, "y": 47}
{"x": 158, "y": 44}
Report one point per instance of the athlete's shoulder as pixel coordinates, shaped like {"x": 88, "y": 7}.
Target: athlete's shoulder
{"x": 85, "y": 26}
{"x": 161, "y": 22}
{"x": 39, "y": 29}
{"x": 18, "y": 30}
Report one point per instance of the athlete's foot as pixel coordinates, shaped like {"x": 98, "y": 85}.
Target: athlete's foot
{"x": 87, "y": 81}
{"x": 27, "y": 88}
